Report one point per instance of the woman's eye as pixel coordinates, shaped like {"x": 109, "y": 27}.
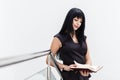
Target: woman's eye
{"x": 79, "y": 20}
{"x": 76, "y": 20}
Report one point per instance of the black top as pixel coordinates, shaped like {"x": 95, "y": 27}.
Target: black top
{"x": 71, "y": 51}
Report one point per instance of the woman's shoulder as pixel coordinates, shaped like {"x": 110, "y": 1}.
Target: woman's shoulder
{"x": 61, "y": 37}
{"x": 58, "y": 35}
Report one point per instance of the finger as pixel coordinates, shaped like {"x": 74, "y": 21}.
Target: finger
{"x": 81, "y": 72}
{"x": 86, "y": 73}
{"x": 71, "y": 69}
{"x": 71, "y": 66}
{"x": 74, "y": 65}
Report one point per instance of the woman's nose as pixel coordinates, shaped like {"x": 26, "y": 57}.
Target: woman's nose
{"x": 78, "y": 23}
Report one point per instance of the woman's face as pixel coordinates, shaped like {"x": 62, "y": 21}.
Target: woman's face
{"x": 76, "y": 23}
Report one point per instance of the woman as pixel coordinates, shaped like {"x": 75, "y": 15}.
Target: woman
{"x": 71, "y": 45}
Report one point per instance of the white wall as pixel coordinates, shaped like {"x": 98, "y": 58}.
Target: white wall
{"x": 28, "y": 26}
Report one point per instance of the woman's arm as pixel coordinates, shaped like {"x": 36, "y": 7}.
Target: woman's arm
{"x": 55, "y": 45}
{"x": 88, "y": 58}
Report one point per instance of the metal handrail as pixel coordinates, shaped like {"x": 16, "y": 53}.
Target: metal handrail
{"x": 21, "y": 58}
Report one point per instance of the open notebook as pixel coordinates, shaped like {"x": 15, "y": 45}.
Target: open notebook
{"x": 91, "y": 68}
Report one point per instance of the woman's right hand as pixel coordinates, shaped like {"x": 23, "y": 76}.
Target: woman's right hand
{"x": 68, "y": 68}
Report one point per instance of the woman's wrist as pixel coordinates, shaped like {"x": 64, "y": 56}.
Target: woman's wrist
{"x": 63, "y": 67}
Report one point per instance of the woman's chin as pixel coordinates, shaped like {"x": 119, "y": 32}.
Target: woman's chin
{"x": 75, "y": 29}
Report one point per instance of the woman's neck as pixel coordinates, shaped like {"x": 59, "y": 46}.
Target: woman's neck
{"x": 73, "y": 34}
{"x": 74, "y": 38}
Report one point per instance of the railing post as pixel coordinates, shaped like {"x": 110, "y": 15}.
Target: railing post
{"x": 49, "y": 68}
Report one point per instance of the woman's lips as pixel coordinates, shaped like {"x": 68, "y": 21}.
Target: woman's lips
{"x": 76, "y": 26}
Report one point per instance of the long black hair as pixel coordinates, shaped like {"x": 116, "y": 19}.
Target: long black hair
{"x": 67, "y": 25}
